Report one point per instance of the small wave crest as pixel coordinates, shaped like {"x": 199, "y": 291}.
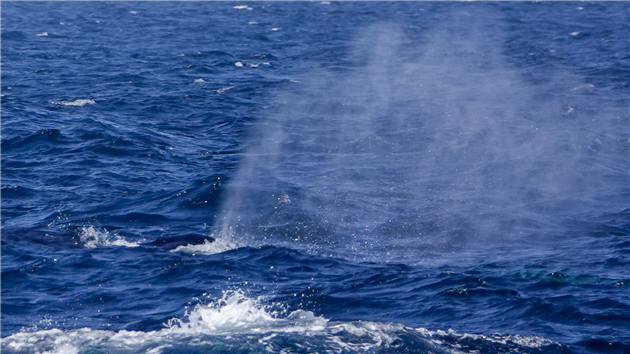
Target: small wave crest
{"x": 76, "y": 103}
{"x": 220, "y": 244}
{"x": 92, "y": 238}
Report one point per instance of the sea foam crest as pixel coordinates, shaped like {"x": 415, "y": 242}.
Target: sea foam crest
{"x": 92, "y": 238}
{"x": 238, "y": 323}
{"x": 76, "y": 103}
{"x": 233, "y": 314}
{"x": 220, "y": 244}
{"x": 237, "y": 313}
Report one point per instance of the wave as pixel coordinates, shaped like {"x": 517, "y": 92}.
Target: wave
{"x": 237, "y": 323}
{"x": 77, "y": 103}
{"x": 219, "y": 245}
{"x": 92, "y": 238}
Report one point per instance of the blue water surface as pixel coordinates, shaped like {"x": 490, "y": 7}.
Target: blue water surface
{"x": 315, "y": 177}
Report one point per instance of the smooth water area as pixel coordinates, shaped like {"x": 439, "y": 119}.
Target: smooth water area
{"x": 315, "y": 177}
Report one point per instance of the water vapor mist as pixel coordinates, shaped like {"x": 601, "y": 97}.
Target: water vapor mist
{"x": 435, "y": 144}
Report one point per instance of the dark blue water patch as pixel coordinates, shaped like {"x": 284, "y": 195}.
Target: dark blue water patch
{"x": 18, "y": 192}
{"x": 13, "y": 35}
{"x": 600, "y": 345}
{"x": 42, "y": 142}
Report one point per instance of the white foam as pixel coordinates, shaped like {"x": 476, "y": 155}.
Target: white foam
{"x": 222, "y": 90}
{"x": 503, "y": 339}
{"x": 219, "y": 245}
{"x": 43, "y": 34}
{"x": 76, "y": 103}
{"x": 236, "y": 313}
{"x": 236, "y": 316}
{"x": 580, "y": 87}
{"x": 200, "y": 80}
{"x": 243, "y": 7}
{"x": 233, "y": 314}
{"x": 93, "y": 238}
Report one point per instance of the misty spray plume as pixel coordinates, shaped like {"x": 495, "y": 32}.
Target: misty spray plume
{"x": 435, "y": 144}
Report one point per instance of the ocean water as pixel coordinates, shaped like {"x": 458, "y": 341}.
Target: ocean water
{"x": 315, "y": 177}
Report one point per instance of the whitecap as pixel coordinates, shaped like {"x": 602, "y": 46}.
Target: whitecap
{"x": 222, "y": 90}
{"x": 586, "y": 86}
{"x": 502, "y": 339}
{"x": 200, "y": 80}
{"x": 219, "y": 245}
{"x": 575, "y": 33}
{"x": 92, "y": 238}
{"x": 76, "y": 103}
{"x": 239, "y": 64}
{"x": 235, "y": 313}
{"x": 43, "y": 34}
{"x": 235, "y": 317}
{"x": 243, "y": 7}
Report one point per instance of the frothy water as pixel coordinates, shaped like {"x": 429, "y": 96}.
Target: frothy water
{"x": 76, "y": 103}
{"x": 220, "y": 244}
{"x": 92, "y": 237}
{"x": 237, "y": 322}
{"x": 236, "y": 313}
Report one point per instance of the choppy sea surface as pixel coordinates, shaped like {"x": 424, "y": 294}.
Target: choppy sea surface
{"x": 315, "y": 177}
